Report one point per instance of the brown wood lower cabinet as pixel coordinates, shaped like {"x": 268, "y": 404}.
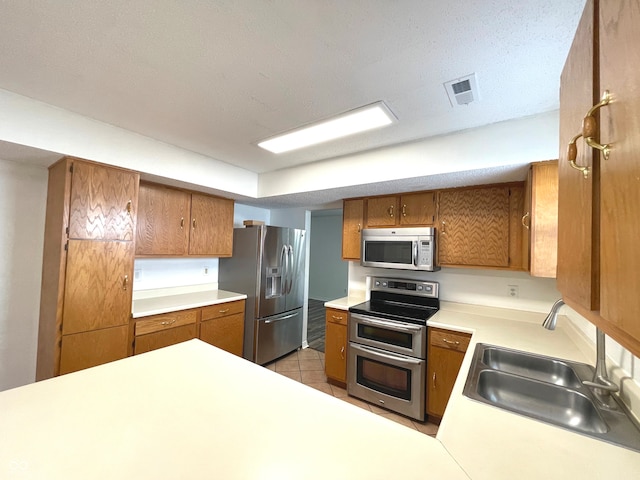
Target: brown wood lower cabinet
{"x": 335, "y": 356}
{"x": 166, "y": 329}
{"x": 222, "y": 325}
{"x": 444, "y": 357}
{"x": 89, "y": 349}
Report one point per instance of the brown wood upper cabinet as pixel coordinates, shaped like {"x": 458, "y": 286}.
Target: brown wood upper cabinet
{"x": 174, "y": 222}
{"x": 87, "y": 267}
{"x": 352, "y": 224}
{"x": 540, "y": 219}
{"x": 474, "y": 226}
{"x": 598, "y": 226}
{"x": 382, "y": 211}
{"x": 418, "y": 209}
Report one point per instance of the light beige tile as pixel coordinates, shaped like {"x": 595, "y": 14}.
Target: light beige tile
{"x": 292, "y": 375}
{"x": 339, "y": 392}
{"x": 308, "y": 354}
{"x": 313, "y": 376}
{"x": 287, "y": 366}
{"x": 322, "y": 386}
{"x": 426, "y": 428}
{"x": 378, "y": 410}
{"x": 399, "y": 419}
{"x": 271, "y": 366}
{"x": 357, "y": 402}
{"x": 311, "y": 365}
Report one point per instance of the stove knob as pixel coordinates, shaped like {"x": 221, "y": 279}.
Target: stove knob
{"x": 384, "y": 284}
{"x": 419, "y": 287}
{"x": 377, "y": 283}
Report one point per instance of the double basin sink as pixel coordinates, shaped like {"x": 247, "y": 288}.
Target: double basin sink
{"x": 549, "y": 390}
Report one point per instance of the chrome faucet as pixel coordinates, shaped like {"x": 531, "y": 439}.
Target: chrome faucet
{"x": 601, "y": 385}
{"x": 550, "y": 322}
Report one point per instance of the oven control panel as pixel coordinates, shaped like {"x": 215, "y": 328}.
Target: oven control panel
{"x": 405, "y": 286}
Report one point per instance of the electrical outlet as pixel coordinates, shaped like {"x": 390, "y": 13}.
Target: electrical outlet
{"x": 206, "y": 270}
{"x": 513, "y": 291}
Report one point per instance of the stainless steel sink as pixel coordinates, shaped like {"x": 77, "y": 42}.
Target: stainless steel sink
{"x": 549, "y": 390}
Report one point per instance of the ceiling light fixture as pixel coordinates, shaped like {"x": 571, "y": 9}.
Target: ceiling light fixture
{"x": 354, "y": 121}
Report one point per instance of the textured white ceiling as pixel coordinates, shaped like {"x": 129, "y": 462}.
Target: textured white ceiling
{"x": 215, "y": 77}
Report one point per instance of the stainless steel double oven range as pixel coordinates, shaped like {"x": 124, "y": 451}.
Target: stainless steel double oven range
{"x": 387, "y": 356}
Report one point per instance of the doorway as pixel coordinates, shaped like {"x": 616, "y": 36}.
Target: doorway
{"x": 328, "y": 273}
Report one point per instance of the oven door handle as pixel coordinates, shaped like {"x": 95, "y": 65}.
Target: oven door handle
{"x": 391, "y": 325}
{"x": 389, "y": 356}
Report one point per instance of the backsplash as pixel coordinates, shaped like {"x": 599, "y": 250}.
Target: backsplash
{"x": 152, "y": 273}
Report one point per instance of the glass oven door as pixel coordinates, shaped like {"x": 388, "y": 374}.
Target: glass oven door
{"x": 389, "y": 380}
{"x": 398, "y": 337}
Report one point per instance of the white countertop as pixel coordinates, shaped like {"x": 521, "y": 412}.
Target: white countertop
{"x": 163, "y": 302}
{"x": 345, "y": 302}
{"x": 194, "y": 411}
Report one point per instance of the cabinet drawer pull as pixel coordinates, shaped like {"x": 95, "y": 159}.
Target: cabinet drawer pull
{"x": 404, "y": 210}
{"x": 524, "y": 223}
{"x": 224, "y": 311}
{"x": 390, "y": 211}
{"x": 169, "y": 322}
{"x": 336, "y": 317}
{"x": 451, "y": 342}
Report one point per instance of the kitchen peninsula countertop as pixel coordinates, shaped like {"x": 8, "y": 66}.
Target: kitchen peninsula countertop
{"x": 194, "y": 411}
{"x": 155, "y": 302}
{"x": 491, "y": 443}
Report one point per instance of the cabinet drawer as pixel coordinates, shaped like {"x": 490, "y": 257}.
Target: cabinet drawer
{"x": 334, "y": 315}
{"x": 222, "y": 309}
{"x": 157, "y": 323}
{"x": 448, "y": 339}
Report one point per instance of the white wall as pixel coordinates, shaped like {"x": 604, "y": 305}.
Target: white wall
{"x": 23, "y": 194}
{"x": 328, "y": 273}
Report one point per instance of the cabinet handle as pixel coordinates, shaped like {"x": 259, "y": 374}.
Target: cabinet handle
{"x": 194, "y": 223}
{"x": 404, "y": 210}
{"x": 359, "y": 228}
{"x": 390, "y": 211}
{"x": 181, "y": 222}
{"x": 125, "y": 282}
{"x": 433, "y": 379}
{"x": 129, "y": 207}
{"x": 336, "y": 318}
{"x": 451, "y": 342}
{"x": 590, "y": 126}
{"x": 572, "y": 154}
{"x": 443, "y": 231}
{"x": 524, "y": 217}
{"x": 342, "y": 352}
{"x": 170, "y": 322}
{"x": 223, "y": 311}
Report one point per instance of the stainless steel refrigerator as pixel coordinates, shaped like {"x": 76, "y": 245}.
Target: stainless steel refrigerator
{"x": 268, "y": 266}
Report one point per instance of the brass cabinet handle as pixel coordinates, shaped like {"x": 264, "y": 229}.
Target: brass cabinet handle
{"x": 590, "y": 126}
{"x": 342, "y": 352}
{"x": 181, "y": 222}
{"x": 390, "y": 211}
{"x": 443, "y": 231}
{"x": 451, "y": 342}
{"x": 404, "y": 210}
{"x": 572, "y": 154}
{"x": 125, "y": 282}
{"x": 433, "y": 379}
{"x": 194, "y": 223}
{"x": 359, "y": 228}
{"x": 170, "y": 322}
{"x": 524, "y": 217}
{"x": 129, "y": 207}
{"x": 336, "y": 318}
{"x": 223, "y": 311}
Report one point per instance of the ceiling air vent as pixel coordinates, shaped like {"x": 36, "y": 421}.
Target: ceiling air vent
{"x": 462, "y": 91}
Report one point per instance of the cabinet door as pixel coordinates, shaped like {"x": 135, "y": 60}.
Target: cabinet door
{"x": 418, "y": 209}
{"x": 103, "y": 202}
{"x": 335, "y": 359}
{"x": 620, "y": 174}
{"x": 443, "y": 366}
{"x": 578, "y": 233}
{"x": 211, "y": 226}
{"x": 88, "y": 349}
{"x": 165, "y": 338}
{"x": 352, "y": 221}
{"x": 382, "y": 211}
{"x": 98, "y": 285}
{"x": 163, "y": 221}
{"x": 544, "y": 219}
{"x": 226, "y": 333}
{"x": 474, "y": 227}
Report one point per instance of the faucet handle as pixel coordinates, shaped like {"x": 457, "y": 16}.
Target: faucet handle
{"x": 602, "y": 383}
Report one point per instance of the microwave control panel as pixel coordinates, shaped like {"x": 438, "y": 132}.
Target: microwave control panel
{"x": 425, "y": 253}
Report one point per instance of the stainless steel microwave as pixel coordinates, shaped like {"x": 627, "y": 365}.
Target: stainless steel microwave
{"x": 400, "y": 248}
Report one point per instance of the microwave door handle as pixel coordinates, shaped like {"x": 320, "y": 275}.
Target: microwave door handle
{"x": 389, "y": 356}
{"x": 415, "y": 254}
{"x": 393, "y": 326}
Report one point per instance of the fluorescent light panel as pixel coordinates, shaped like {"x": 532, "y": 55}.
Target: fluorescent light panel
{"x": 355, "y": 121}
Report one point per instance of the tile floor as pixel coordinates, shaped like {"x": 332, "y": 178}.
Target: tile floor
{"x": 307, "y": 366}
